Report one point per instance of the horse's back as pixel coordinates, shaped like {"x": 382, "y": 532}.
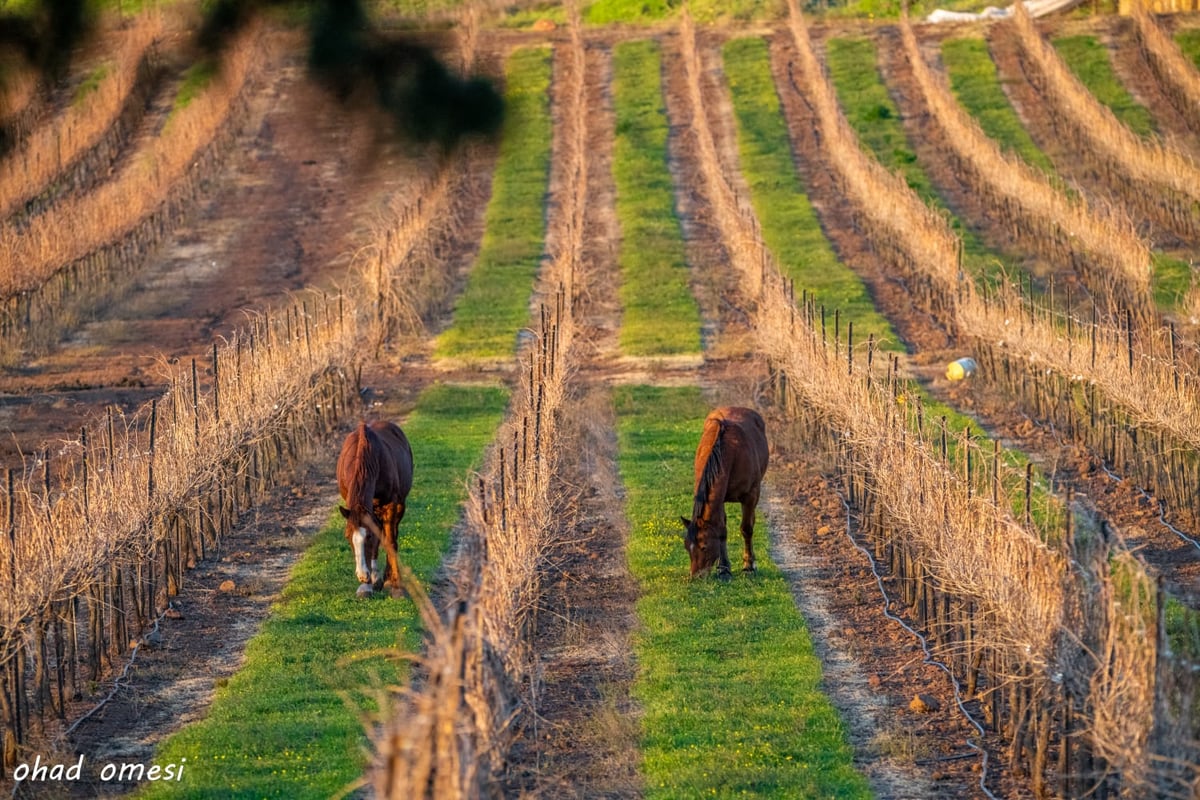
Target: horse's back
{"x": 389, "y": 447}
{"x": 399, "y": 453}
{"x": 744, "y": 445}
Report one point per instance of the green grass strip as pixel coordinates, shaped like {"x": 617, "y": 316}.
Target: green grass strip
{"x": 280, "y": 726}
{"x": 976, "y": 84}
{"x": 607, "y": 12}
{"x": 728, "y": 679}
{"x": 1189, "y": 43}
{"x": 1088, "y": 58}
{"x": 870, "y": 110}
{"x": 661, "y": 316}
{"x": 790, "y": 226}
{"x": 494, "y": 305}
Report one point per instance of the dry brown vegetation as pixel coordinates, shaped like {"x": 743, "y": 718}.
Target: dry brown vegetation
{"x": 76, "y": 252}
{"x": 1147, "y": 382}
{"x": 921, "y": 242}
{"x": 454, "y": 727}
{"x": 1170, "y": 66}
{"x": 20, "y": 93}
{"x": 1097, "y": 240}
{"x": 29, "y": 169}
{"x": 1161, "y": 183}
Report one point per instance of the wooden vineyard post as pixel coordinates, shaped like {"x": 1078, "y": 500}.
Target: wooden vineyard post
{"x": 1028, "y": 493}
{"x": 1129, "y": 337}
{"x": 850, "y": 348}
{"x": 196, "y": 401}
{"x": 83, "y": 443}
{"x": 153, "y": 433}
{"x": 12, "y": 527}
{"x": 216, "y": 390}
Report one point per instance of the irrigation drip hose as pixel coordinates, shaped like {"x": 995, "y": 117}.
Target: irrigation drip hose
{"x": 929, "y": 659}
{"x": 1162, "y": 506}
{"x": 117, "y": 686}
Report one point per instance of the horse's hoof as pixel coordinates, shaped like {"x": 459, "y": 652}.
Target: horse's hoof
{"x": 751, "y": 569}
{"x": 398, "y": 592}
{"x": 724, "y": 575}
{"x": 364, "y": 590}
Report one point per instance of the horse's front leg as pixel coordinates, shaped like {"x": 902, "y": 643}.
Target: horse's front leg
{"x": 724, "y": 571}
{"x": 748, "y": 507}
{"x": 391, "y": 530}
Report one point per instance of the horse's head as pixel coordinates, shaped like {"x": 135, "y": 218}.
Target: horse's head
{"x": 703, "y": 538}
{"x": 363, "y": 534}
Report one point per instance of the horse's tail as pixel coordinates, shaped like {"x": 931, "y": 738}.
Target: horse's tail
{"x": 712, "y": 468}
{"x": 364, "y": 470}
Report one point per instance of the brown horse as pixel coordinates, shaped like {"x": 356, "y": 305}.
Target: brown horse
{"x": 730, "y": 463}
{"x": 374, "y": 473}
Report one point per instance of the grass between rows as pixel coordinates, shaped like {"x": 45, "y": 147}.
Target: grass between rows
{"x": 495, "y": 303}
{"x": 1088, "y": 59}
{"x": 605, "y": 12}
{"x": 728, "y": 680}
{"x": 1189, "y": 43}
{"x": 790, "y": 227}
{"x": 660, "y": 314}
{"x": 976, "y": 84}
{"x": 289, "y": 722}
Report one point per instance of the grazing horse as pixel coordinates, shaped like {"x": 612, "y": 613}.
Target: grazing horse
{"x": 730, "y": 463}
{"x": 374, "y": 473}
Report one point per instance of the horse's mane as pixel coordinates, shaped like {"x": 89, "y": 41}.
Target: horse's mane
{"x": 712, "y": 468}
{"x": 364, "y": 472}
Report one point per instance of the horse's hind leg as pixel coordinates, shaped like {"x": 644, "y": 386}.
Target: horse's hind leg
{"x": 748, "y": 507}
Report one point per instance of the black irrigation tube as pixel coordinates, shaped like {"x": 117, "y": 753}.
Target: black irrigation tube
{"x": 1160, "y": 504}
{"x": 929, "y": 659}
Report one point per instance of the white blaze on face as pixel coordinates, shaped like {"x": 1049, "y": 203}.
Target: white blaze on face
{"x": 358, "y": 540}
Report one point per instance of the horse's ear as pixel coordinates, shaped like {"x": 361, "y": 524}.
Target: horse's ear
{"x": 344, "y": 511}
